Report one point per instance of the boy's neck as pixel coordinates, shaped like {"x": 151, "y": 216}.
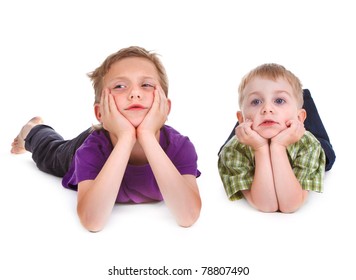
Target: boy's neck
{"x": 138, "y": 156}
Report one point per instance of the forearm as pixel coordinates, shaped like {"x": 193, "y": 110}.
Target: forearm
{"x": 96, "y": 199}
{"x": 262, "y": 194}
{"x": 289, "y": 192}
{"x": 179, "y": 192}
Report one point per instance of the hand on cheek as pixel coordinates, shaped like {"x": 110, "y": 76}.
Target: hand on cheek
{"x": 293, "y": 133}
{"x": 246, "y": 135}
{"x": 111, "y": 118}
{"x": 157, "y": 115}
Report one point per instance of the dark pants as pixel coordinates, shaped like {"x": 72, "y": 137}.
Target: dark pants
{"x": 313, "y": 124}
{"x": 51, "y": 153}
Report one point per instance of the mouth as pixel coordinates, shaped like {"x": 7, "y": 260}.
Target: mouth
{"x": 268, "y": 123}
{"x": 135, "y": 107}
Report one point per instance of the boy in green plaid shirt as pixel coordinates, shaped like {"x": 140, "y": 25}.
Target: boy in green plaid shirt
{"x": 273, "y": 161}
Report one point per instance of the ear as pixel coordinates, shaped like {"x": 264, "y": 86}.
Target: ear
{"x": 97, "y": 112}
{"x": 169, "y": 105}
{"x": 302, "y": 115}
{"x": 240, "y": 117}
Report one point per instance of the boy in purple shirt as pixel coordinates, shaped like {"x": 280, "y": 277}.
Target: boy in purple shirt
{"x": 132, "y": 156}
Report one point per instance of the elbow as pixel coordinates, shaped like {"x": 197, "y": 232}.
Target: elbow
{"x": 289, "y": 209}
{"x": 265, "y": 206}
{"x": 188, "y": 221}
{"x": 92, "y": 227}
{"x": 268, "y": 208}
{"x": 89, "y": 223}
{"x": 190, "y": 218}
{"x": 293, "y": 204}
{"x": 261, "y": 204}
{"x": 283, "y": 209}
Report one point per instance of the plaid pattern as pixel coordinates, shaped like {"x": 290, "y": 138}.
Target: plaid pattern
{"x": 237, "y": 165}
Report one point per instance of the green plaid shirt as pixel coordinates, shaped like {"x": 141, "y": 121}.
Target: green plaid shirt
{"x": 237, "y": 165}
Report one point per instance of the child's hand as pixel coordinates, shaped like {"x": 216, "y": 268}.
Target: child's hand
{"x": 248, "y": 136}
{"x": 111, "y": 118}
{"x": 157, "y": 115}
{"x": 294, "y": 131}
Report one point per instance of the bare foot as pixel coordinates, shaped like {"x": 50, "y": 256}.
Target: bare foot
{"x": 18, "y": 146}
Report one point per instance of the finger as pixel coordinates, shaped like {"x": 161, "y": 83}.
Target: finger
{"x": 162, "y": 93}
{"x": 111, "y": 103}
{"x": 103, "y": 102}
{"x": 163, "y": 100}
{"x": 238, "y": 132}
{"x": 248, "y": 127}
{"x": 297, "y": 126}
{"x": 240, "y": 129}
{"x": 247, "y": 123}
{"x": 291, "y": 123}
{"x": 241, "y": 132}
{"x": 156, "y": 97}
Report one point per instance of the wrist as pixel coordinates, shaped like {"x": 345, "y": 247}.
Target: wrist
{"x": 275, "y": 145}
{"x": 126, "y": 137}
{"x": 261, "y": 149}
{"x": 147, "y": 135}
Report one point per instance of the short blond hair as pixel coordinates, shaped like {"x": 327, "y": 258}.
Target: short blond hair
{"x": 98, "y": 74}
{"x": 273, "y": 71}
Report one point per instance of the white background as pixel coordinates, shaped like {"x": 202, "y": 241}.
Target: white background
{"x": 46, "y": 49}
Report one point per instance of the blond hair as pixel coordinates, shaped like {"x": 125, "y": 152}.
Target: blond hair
{"x": 273, "y": 71}
{"x": 98, "y": 74}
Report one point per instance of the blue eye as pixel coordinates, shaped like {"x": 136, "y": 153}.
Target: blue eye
{"x": 256, "y": 102}
{"x": 280, "y": 101}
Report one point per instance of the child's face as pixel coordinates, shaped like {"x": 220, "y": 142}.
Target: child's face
{"x": 132, "y": 81}
{"x": 269, "y": 105}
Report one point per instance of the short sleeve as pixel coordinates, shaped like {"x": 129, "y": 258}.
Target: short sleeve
{"x": 180, "y": 151}
{"x": 236, "y": 168}
{"x": 186, "y": 158}
{"x": 88, "y": 160}
{"x": 309, "y": 163}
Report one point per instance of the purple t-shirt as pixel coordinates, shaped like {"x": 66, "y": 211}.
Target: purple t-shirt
{"x": 138, "y": 184}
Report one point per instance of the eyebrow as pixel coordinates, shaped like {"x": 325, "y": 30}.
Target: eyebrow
{"x": 127, "y": 78}
{"x": 275, "y": 92}
{"x": 124, "y": 78}
{"x": 283, "y": 91}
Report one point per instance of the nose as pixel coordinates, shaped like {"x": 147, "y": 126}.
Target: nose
{"x": 135, "y": 94}
{"x": 267, "y": 108}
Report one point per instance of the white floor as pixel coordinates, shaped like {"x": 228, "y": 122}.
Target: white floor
{"x": 47, "y": 51}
